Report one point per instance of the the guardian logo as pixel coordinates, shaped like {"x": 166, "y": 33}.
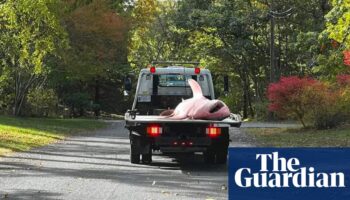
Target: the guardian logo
{"x": 279, "y": 172}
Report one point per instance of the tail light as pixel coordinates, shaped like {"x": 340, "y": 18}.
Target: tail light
{"x": 152, "y": 69}
{"x": 154, "y": 130}
{"x": 213, "y": 131}
{"x": 197, "y": 70}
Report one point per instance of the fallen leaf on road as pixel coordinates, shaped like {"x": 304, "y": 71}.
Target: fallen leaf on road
{"x": 165, "y": 192}
{"x": 223, "y": 187}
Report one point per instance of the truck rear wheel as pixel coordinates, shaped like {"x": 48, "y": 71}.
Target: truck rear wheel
{"x": 135, "y": 158}
{"x": 221, "y": 148}
{"x": 134, "y": 153}
{"x": 209, "y": 157}
{"x": 147, "y": 158}
{"x": 221, "y": 157}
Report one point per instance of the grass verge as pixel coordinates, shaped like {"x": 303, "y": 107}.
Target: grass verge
{"x": 296, "y": 137}
{"x": 21, "y": 134}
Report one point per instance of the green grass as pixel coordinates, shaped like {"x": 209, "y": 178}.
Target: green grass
{"x": 287, "y": 137}
{"x": 21, "y": 134}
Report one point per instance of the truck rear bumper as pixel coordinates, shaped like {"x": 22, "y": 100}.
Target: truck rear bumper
{"x": 167, "y": 149}
{"x": 192, "y": 141}
{"x": 189, "y": 144}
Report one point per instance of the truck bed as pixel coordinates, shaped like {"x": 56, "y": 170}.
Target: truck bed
{"x": 231, "y": 121}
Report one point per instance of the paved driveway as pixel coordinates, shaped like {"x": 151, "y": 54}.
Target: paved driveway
{"x": 96, "y": 166}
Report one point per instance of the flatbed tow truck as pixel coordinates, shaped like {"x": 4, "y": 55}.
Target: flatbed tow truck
{"x": 160, "y": 88}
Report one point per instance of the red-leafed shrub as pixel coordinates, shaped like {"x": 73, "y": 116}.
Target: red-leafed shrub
{"x": 323, "y": 105}
{"x": 294, "y": 96}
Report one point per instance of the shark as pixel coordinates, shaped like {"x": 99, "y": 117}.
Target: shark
{"x": 198, "y": 107}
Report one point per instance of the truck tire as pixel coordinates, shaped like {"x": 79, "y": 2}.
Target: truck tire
{"x": 221, "y": 149}
{"x": 221, "y": 156}
{"x": 209, "y": 157}
{"x": 134, "y": 154}
{"x": 134, "y": 158}
{"x": 147, "y": 158}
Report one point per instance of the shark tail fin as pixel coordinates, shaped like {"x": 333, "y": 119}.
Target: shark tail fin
{"x": 195, "y": 87}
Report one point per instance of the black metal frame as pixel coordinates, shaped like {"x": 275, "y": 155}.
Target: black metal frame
{"x": 195, "y": 63}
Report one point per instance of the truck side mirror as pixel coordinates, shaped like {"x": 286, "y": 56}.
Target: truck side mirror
{"x": 226, "y": 90}
{"x": 127, "y": 86}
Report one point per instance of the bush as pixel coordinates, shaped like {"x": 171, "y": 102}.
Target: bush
{"x": 261, "y": 111}
{"x": 344, "y": 93}
{"x": 42, "y": 102}
{"x": 233, "y": 100}
{"x": 294, "y": 96}
{"x": 328, "y": 112}
{"x": 78, "y": 102}
{"x": 311, "y": 101}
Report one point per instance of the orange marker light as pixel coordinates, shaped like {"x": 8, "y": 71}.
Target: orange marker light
{"x": 154, "y": 130}
{"x": 213, "y": 131}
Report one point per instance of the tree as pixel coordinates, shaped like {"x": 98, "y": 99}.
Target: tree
{"x": 243, "y": 29}
{"x": 97, "y": 57}
{"x": 30, "y": 32}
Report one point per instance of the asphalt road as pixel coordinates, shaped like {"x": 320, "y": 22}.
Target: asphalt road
{"x": 96, "y": 166}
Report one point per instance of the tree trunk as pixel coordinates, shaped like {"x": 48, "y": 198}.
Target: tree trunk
{"x": 245, "y": 93}
{"x": 21, "y": 90}
{"x": 97, "y": 98}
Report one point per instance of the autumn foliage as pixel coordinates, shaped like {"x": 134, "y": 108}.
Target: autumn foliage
{"x": 294, "y": 96}
{"x": 346, "y": 59}
{"x": 343, "y": 79}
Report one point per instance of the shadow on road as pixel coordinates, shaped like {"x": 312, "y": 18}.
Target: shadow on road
{"x": 90, "y": 164}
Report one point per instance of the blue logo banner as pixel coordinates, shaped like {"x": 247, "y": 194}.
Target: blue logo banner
{"x": 289, "y": 173}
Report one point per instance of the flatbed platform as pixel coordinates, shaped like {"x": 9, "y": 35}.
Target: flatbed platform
{"x": 231, "y": 121}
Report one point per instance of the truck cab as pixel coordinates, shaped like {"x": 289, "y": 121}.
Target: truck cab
{"x": 161, "y": 89}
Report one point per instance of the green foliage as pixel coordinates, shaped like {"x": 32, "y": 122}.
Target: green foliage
{"x": 82, "y": 49}
{"x": 261, "y": 111}
{"x": 78, "y": 102}
{"x": 42, "y": 102}
{"x": 338, "y": 22}
{"x": 326, "y": 113}
{"x": 98, "y": 38}
{"x": 30, "y": 33}
{"x": 232, "y": 100}
{"x": 330, "y": 63}
{"x": 335, "y": 38}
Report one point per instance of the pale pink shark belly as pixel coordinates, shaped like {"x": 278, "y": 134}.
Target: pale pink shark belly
{"x": 199, "y": 107}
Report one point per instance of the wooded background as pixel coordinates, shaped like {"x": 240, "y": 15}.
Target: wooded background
{"x": 69, "y": 57}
